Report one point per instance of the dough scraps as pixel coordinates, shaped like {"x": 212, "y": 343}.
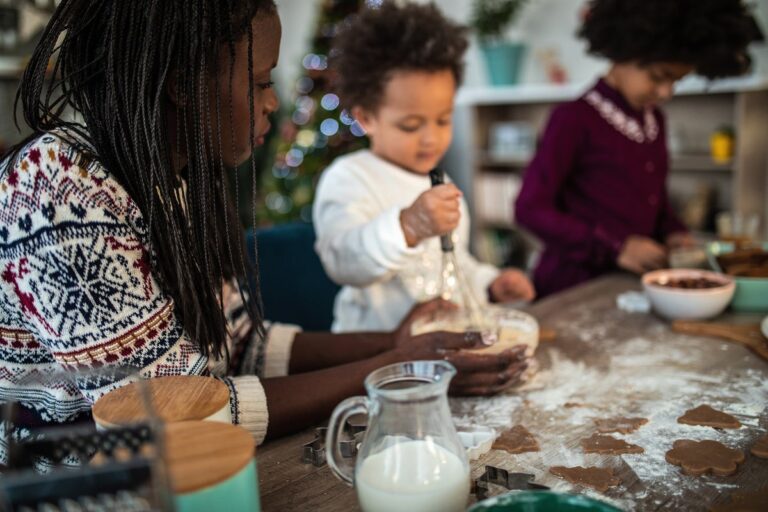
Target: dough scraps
{"x": 600, "y": 479}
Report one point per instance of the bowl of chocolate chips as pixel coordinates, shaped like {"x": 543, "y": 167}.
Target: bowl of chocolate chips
{"x": 688, "y": 294}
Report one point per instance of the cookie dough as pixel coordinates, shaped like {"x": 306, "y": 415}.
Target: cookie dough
{"x": 609, "y": 445}
{"x": 706, "y": 416}
{"x": 760, "y": 448}
{"x": 621, "y": 425}
{"x": 600, "y": 479}
{"x": 517, "y": 440}
{"x": 702, "y": 457}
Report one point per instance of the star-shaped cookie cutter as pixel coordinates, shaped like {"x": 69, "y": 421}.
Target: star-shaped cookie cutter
{"x": 314, "y": 451}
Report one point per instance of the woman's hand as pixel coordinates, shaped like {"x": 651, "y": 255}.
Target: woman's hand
{"x": 478, "y": 374}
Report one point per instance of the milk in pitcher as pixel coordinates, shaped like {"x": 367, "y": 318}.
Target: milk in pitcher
{"x": 418, "y": 476}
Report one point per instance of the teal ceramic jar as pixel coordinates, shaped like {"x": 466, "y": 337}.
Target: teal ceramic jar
{"x": 211, "y": 466}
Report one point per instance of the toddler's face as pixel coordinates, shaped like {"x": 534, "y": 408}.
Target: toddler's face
{"x": 412, "y": 126}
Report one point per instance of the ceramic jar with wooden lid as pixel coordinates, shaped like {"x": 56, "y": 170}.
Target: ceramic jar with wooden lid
{"x": 211, "y": 466}
{"x": 175, "y": 398}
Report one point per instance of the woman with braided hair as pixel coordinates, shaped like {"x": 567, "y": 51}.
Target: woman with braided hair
{"x": 118, "y": 239}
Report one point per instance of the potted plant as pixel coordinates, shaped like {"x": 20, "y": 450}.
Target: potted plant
{"x": 490, "y": 19}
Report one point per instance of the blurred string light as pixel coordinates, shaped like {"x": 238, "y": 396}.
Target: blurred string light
{"x": 278, "y": 202}
{"x": 329, "y": 102}
{"x": 315, "y": 62}
{"x": 280, "y": 171}
{"x": 345, "y": 118}
{"x": 300, "y": 117}
{"x": 329, "y": 127}
{"x": 304, "y": 85}
{"x": 294, "y": 157}
{"x": 306, "y": 138}
{"x": 305, "y": 103}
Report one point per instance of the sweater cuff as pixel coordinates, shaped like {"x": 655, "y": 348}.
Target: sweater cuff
{"x": 248, "y": 404}
{"x": 278, "y": 351}
{"x": 384, "y": 240}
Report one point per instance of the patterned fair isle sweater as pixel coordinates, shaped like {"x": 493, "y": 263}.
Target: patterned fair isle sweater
{"x": 77, "y": 294}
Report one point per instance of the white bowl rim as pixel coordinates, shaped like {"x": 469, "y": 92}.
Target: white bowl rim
{"x": 728, "y": 282}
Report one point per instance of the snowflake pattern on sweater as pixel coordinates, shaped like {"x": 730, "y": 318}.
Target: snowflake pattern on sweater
{"x": 77, "y": 292}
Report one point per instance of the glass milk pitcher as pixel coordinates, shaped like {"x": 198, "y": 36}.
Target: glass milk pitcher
{"x": 411, "y": 457}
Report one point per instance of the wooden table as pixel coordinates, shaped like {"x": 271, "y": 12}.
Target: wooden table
{"x": 603, "y": 363}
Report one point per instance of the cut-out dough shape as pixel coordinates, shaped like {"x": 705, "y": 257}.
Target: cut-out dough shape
{"x": 517, "y": 440}
{"x": 760, "y": 448}
{"x": 609, "y": 445}
{"x": 706, "y": 416}
{"x": 600, "y": 479}
{"x": 702, "y": 457}
{"x": 621, "y": 425}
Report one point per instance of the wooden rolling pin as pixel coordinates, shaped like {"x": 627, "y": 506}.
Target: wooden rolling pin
{"x": 748, "y": 335}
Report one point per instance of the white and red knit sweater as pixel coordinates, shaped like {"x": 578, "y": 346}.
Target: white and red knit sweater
{"x": 77, "y": 293}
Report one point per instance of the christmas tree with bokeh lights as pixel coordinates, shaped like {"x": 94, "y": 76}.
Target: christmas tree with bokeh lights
{"x": 314, "y": 131}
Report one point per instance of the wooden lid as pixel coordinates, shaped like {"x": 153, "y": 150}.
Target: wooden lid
{"x": 176, "y": 398}
{"x": 201, "y": 454}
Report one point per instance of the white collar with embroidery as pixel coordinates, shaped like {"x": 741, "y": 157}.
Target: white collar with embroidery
{"x": 623, "y": 123}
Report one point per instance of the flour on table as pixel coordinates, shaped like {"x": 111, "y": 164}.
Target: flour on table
{"x": 653, "y": 376}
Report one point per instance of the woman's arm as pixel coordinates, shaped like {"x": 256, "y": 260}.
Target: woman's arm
{"x": 298, "y": 401}
{"x": 317, "y": 350}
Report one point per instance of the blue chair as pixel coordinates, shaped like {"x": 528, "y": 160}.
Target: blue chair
{"x": 294, "y": 286}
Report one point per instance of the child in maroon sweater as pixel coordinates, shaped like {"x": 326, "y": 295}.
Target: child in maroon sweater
{"x": 595, "y": 193}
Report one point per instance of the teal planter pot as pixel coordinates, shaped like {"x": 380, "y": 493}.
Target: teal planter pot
{"x": 504, "y": 61}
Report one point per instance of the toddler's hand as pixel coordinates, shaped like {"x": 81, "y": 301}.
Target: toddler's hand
{"x": 434, "y": 213}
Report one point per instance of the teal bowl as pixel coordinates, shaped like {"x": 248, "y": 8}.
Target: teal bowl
{"x": 751, "y": 292}
{"x": 538, "y": 501}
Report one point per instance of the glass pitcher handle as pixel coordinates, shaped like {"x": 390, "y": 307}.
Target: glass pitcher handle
{"x": 347, "y": 408}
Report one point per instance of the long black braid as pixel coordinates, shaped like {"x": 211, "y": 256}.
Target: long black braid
{"x": 113, "y": 60}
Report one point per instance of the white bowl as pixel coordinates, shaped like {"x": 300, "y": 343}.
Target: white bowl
{"x": 685, "y": 303}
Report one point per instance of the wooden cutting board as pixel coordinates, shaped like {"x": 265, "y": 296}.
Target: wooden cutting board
{"x": 749, "y": 335}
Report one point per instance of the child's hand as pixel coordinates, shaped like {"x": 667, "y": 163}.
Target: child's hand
{"x": 680, "y": 240}
{"x": 434, "y": 213}
{"x": 642, "y": 254}
{"x": 511, "y": 285}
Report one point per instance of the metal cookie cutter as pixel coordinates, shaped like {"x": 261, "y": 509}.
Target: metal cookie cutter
{"x": 314, "y": 451}
{"x": 510, "y": 481}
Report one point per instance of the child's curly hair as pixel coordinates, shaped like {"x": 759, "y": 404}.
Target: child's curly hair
{"x": 710, "y": 35}
{"x": 379, "y": 41}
